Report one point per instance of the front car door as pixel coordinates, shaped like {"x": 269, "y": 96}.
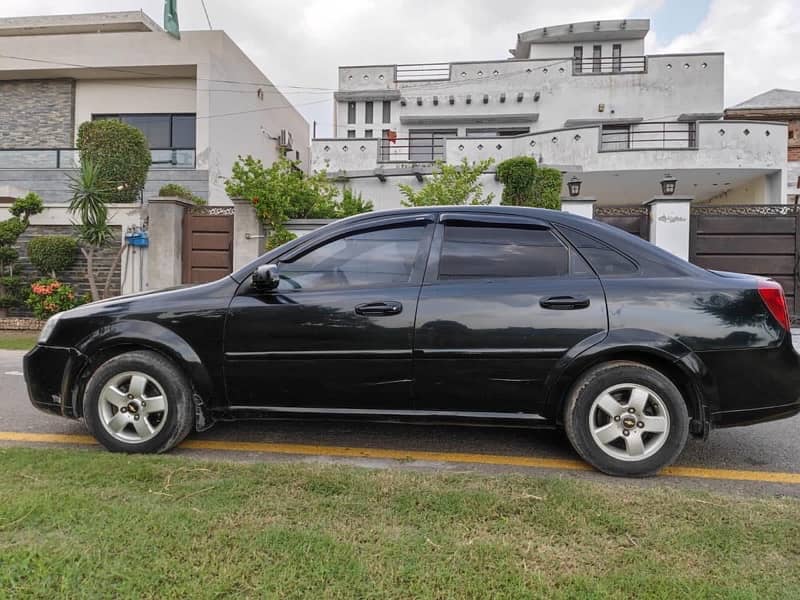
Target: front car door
{"x": 337, "y": 332}
{"x": 503, "y": 300}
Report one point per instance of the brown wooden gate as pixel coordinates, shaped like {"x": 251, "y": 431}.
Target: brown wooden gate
{"x": 207, "y": 245}
{"x": 759, "y": 240}
{"x": 633, "y": 219}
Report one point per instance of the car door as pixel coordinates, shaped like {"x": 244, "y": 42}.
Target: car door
{"x": 337, "y": 331}
{"x": 503, "y": 300}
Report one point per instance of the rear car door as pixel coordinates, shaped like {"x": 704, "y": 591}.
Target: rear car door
{"x": 337, "y": 332}
{"x": 504, "y": 298}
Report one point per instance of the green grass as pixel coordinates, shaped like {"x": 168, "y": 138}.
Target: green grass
{"x": 13, "y": 340}
{"x": 87, "y": 524}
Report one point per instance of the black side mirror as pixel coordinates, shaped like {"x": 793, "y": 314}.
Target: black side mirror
{"x": 266, "y": 278}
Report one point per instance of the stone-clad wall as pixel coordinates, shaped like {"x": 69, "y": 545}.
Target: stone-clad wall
{"x": 37, "y": 113}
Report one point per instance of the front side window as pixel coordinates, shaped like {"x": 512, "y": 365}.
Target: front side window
{"x": 364, "y": 259}
{"x": 474, "y": 251}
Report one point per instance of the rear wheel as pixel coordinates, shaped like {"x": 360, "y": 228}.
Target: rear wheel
{"x": 138, "y": 402}
{"x": 627, "y": 419}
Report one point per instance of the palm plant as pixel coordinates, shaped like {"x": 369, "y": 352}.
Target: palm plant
{"x": 90, "y": 196}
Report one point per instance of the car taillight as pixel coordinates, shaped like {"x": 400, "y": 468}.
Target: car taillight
{"x": 771, "y": 293}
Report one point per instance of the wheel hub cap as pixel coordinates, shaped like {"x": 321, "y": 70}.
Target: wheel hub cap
{"x": 132, "y": 407}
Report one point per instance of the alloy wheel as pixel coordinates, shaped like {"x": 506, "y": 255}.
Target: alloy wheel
{"x": 133, "y": 407}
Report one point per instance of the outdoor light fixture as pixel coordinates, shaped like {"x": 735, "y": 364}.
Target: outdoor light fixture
{"x": 668, "y": 185}
{"x": 574, "y": 186}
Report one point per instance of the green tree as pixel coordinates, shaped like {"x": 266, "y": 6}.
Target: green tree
{"x": 10, "y": 284}
{"x": 51, "y": 254}
{"x": 90, "y": 196}
{"x": 120, "y": 153}
{"x": 451, "y": 185}
{"x": 283, "y": 191}
{"x": 527, "y": 184}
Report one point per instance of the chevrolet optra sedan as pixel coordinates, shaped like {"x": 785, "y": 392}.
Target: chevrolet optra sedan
{"x": 487, "y": 314}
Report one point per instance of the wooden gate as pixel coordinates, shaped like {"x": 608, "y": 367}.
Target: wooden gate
{"x": 633, "y": 219}
{"x": 207, "y": 244}
{"x": 759, "y": 240}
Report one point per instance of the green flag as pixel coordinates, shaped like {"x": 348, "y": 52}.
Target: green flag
{"x": 171, "y": 18}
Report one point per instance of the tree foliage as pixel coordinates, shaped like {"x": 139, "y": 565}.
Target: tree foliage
{"x": 176, "y": 190}
{"x": 527, "y": 184}
{"x": 120, "y": 153}
{"x": 283, "y": 191}
{"x": 51, "y": 254}
{"x": 90, "y": 195}
{"x": 21, "y": 210}
{"x": 450, "y": 185}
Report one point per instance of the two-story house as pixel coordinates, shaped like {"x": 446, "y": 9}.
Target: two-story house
{"x": 199, "y": 100}
{"x": 582, "y": 97}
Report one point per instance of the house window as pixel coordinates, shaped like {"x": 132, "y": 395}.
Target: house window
{"x": 497, "y": 131}
{"x": 368, "y": 133}
{"x": 351, "y": 113}
{"x": 615, "y": 137}
{"x": 597, "y": 57}
{"x": 387, "y": 111}
{"x": 368, "y": 108}
{"x": 427, "y": 145}
{"x": 162, "y": 131}
{"x": 616, "y": 58}
{"x": 351, "y": 133}
{"x": 577, "y": 53}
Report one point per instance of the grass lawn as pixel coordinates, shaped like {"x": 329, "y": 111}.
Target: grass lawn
{"x": 87, "y": 524}
{"x": 14, "y": 340}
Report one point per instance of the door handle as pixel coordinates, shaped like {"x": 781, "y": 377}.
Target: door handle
{"x": 379, "y": 309}
{"x": 564, "y": 302}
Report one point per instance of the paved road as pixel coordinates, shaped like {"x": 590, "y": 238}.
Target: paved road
{"x": 770, "y": 447}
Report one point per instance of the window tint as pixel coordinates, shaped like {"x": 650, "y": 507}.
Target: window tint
{"x": 485, "y": 252}
{"x": 373, "y": 258}
{"x": 605, "y": 260}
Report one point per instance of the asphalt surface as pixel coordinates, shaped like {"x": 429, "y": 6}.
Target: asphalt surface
{"x": 769, "y": 447}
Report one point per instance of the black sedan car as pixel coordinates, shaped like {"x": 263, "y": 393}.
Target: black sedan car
{"x": 493, "y": 314}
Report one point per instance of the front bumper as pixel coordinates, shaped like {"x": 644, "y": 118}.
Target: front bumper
{"x": 50, "y": 374}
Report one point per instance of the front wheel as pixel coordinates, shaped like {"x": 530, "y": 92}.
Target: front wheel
{"x": 626, "y": 419}
{"x": 138, "y": 402}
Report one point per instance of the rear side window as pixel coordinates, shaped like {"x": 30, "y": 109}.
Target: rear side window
{"x": 604, "y": 260}
{"x": 492, "y": 251}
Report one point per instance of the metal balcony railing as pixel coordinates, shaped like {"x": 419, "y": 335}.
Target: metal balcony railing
{"x": 68, "y": 158}
{"x": 413, "y": 149}
{"x": 666, "y": 135}
{"x": 609, "y": 65}
{"x": 422, "y": 72}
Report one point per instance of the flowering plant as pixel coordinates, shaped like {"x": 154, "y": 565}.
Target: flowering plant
{"x": 49, "y": 296}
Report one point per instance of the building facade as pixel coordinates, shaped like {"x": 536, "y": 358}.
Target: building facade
{"x": 580, "y": 97}
{"x": 199, "y": 100}
{"x": 781, "y": 106}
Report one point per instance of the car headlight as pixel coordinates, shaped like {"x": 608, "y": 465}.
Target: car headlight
{"x": 48, "y": 328}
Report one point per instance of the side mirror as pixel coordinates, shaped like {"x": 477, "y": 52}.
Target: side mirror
{"x": 266, "y": 278}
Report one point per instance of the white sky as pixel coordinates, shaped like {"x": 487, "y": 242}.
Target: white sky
{"x": 302, "y": 42}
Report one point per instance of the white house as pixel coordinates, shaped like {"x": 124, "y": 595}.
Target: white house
{"x": 199, "y": 100}
{"x": 582, "y": 97}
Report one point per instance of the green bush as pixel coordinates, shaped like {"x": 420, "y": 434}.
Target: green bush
{"x": 527, "y": 184}
{"x": 352, "y": 204}
{"x": 51, "y": 254}
{"x": 120, "y": 153}
{"x": 278, "y": 237}
{"x": 49, "y": 296}
{"x": 175, "y": 190}
{"x": 451, "y": 185}
{"x": 10, "y": 285}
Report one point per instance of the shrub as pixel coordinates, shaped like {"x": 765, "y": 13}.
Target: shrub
{"x": 120, "y": 153}
{"x": 352, "y": 204}
{"x": 278, "y": 237}
{"x": 450, "y": 185}
{"x": 49, "y": 296}
{"x": 178, "y": 191}
{"x": 11, "y": 288}
{"x": 527, "y": 184}
{"x": 51, "y": 254}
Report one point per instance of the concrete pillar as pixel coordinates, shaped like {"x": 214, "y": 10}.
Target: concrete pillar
{"x": 583, "y": 206}
{"x": 165, "y": 254}
{"x": 248, "y": 238}
{"x": 669, "y": 223}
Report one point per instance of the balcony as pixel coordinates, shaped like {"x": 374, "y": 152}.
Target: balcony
{"x": 605, "y": 65}
{"x": 667, "y": 135}
{"x": 67, "y": 158}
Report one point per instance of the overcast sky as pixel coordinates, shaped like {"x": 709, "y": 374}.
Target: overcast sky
{"x": 302, "y": 42}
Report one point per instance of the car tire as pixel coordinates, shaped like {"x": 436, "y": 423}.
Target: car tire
{"x": 138, "y": 402}
{"x": 626, "y": 419}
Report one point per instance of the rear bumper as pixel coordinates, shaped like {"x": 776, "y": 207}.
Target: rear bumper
{"x": 49, "y": 375}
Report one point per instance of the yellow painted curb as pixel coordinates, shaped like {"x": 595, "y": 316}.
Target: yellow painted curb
{"x": 453, "y": 457}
